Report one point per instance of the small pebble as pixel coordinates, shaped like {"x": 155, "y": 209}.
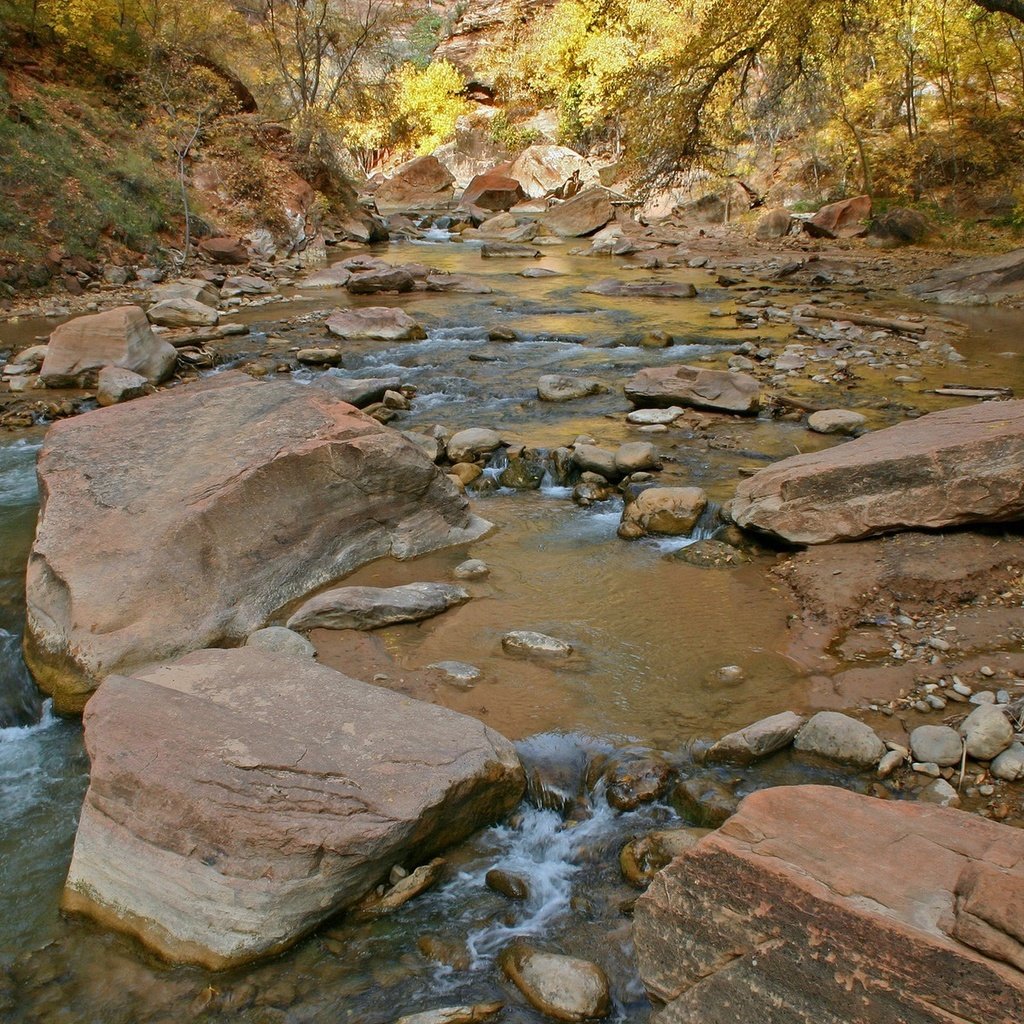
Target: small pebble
{"x": 936, "y": 702}
{"x": 987, "y": 671}
{"x": 926, "y": 768}
{"x": 986, "y": 790}
{"x": 1002, "y": 696}
{"x": 962, "y": 688}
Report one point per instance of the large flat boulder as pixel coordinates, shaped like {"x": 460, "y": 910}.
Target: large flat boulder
{"x": 948, "y": 468}
{"x": 237, "y": 798}
{"x": 978, "y": 282}
{"x": 582, "y": 215}
{"x": 184, "y": 520}
{"x": 122, "y": 337}
{"x": 830, "y": 907}
{"x": 420, "y": 184}
{"x": 662, "y": 387}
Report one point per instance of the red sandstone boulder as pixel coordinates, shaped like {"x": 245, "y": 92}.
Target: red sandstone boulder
{"x": 833, "y": 908}
{"x": 225, "y": 249}
{"x": 239, "y": 797}
{"x": 493, "y": 191}
{"x": 844, "y": 219}
{"x": 948, "y": 468}
{"x": 186, "y": 519}
{"x": 121, "y": 337}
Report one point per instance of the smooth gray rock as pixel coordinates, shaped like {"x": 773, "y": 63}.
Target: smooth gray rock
{"x": 837, "y": 737}
{"x": 374, "y": 607}
{"x": 937, "y": 743}
{"x": 757, "y": 740}
{"x": 1009, "y": 765}
{"x": 280, "y": 640}
{"x": 987, "y": 732}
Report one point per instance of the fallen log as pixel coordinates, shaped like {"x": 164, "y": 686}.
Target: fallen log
{"x": 862, "y": 319}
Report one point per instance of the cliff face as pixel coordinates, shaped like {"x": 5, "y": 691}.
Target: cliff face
{"x": 481, "y": 25}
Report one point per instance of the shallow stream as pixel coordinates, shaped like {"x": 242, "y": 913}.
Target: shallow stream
{"x": 650, "y": 632}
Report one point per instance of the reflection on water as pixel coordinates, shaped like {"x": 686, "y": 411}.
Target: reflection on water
{"x": 649, "y": 632}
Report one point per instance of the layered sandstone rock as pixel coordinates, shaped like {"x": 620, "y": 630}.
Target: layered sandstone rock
{"x": 948, "y": 468}
{"x": 978, "y": 282}
{"x": 833, "y": 908}
{"x": 118, "y": 337}
{"x": 185, "y": 519}
{"x": 667, "y": 386}
{"x": 238, "y": 797}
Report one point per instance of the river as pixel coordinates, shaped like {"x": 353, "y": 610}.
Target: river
{"x": 651, "y": 634}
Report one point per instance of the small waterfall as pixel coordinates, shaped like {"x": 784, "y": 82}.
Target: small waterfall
{"x": 20, "y": 702}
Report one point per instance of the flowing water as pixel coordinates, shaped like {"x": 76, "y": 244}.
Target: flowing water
{"x": 650, "y": 633}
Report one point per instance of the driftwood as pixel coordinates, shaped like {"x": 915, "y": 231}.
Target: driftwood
{"x": 974, "y": 391}
{"x": 862, "y": 319}
{"x": 795, "y": 403}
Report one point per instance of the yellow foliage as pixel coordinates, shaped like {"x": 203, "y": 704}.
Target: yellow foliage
{"x": 428, "y": 101}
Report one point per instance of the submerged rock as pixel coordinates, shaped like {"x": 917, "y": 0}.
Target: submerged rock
{"x": 557, "y": 387}
{"x": 474, "y": 1014}
{"x": 374, "y": 607}
{"x": 908, "y": 906}
{"x": 562, "y": 987}
{"x": 948, "y": 468}
{"x": 513, "y": 887}
{"x": 160, "y": 495}
{"x": 684, "y": 385}
{"x": 285, "y": 799}
{"x": 669, "y": 511}
{"x": 641, "y": 859}
{"x": 523, "y": 641}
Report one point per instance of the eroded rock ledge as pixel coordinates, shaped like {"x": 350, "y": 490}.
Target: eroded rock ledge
{"x": 237, "y": 798}
{"x": 813, "y": 904}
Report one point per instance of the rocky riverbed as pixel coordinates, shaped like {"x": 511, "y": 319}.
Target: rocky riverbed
{"x": 614, "y": 624}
